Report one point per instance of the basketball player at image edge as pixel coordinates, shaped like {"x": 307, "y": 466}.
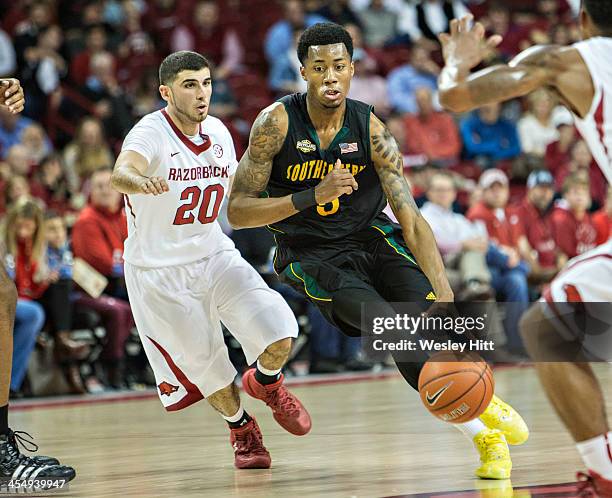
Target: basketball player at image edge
{"x": 581, "y": 77}
{"x": 13, "y": 464}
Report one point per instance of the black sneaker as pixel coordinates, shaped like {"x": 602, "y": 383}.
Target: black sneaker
{"x": 18, "y": 436}
{"x": 15, "y": 466}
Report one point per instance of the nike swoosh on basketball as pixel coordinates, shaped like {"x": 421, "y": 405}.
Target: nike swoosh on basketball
{"x": 432, "y": 400}
{"x": 175, "y": 153}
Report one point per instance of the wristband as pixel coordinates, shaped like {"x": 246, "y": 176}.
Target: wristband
{"x": 304, "y": 199}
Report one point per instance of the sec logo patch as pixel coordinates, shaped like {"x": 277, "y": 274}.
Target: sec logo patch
{"x": 218, "y": 150}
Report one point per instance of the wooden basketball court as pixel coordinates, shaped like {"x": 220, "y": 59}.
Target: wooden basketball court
{"x": 370, "y": 438}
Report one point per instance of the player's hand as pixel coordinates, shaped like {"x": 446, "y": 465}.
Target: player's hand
{"x": 466, "y": 46}
{"x": 337, "y": 182}
{"x": 155, "y": 185}
{"x": 11, "y": 95}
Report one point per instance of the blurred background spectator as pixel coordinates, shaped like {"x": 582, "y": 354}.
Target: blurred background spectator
{"x": 88, "y": 152}
{"x": 462, "y": 243}
{"x": 572, "y": 226}
{"x": 379, "y": 24}
{"x": 432, "y": 133}
{"x": 488, "y": 138}
{"x": 531, "y": 218}
{"x": 99, "y": 232}
{"x": 405, "y": 80}
{"x": 538, "y": 128}
{"x": 424, "y": 20}
{"x": 206, "y": 34}
{"x": 509, "y": 272}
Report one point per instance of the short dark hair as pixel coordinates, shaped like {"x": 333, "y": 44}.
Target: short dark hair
{"x": 324, "y": 33}
{"x": 176, "y": 62}
{"x": 600, "y": 11}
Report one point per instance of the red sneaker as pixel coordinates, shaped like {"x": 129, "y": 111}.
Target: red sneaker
{"x": 593, "y": 485}
{"x": 286, "y": 408}
{"x": 249, "y": 451}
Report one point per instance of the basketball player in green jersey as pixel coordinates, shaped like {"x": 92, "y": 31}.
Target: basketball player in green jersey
{"x": 319, "y": 170}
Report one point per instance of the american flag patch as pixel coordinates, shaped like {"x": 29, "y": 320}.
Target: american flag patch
{"x": 346, "y": 148}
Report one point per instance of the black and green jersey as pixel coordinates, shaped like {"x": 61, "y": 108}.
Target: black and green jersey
{"x": 302, "y": 164}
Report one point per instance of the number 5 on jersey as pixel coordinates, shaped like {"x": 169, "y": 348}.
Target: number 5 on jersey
{"x": 329, "y": 208}
{"x": 209, "y": 208}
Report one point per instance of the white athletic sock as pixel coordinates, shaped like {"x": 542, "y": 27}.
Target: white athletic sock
{"x": 596, "y": 454}
{"x": 472, "y": 428}
{"x": 236, "y": 417}
{"x": 266, "y": 371}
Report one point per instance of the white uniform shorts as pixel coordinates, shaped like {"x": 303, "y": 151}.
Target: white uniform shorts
{"x": 178, "y": 310}
{"x": 575, "y": 301}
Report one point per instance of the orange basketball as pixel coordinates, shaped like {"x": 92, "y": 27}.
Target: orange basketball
{"x": 456, "y": 391}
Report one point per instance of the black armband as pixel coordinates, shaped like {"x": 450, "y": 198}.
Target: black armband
{"x": 304, "y": 199}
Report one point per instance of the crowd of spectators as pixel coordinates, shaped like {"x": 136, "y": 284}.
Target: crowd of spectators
{"x": 511, "y": 191}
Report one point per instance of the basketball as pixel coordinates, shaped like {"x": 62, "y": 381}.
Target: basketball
{"x": 456, "y": 391}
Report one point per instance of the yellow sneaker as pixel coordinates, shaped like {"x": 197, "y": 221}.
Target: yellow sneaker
{"x": 503, "y": 417}
{"x": 494, "y": 455}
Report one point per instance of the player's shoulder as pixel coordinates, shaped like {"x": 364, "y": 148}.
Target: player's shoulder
{"x": 360, "y": 107}
{"x": 551, "y": 57}
{"x": 153, "y": 120}
{"x": 273, "y": 120}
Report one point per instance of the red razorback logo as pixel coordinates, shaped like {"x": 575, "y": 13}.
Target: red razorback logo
{"x": 166, "y": 389}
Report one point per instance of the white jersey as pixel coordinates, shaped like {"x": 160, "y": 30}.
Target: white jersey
{"x": 179, "y": 226}
{"x": 596, "y": 127}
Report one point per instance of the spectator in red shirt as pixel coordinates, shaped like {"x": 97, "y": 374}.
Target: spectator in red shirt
{"x": 499, "y": 22}
{"x": 207, "y": 35}
{"x": 531, "y": 217}
{"x": 492, "y": 210}
{"x": 52, "y": 187}
{"x": 95, "y": 43}
{"x": 558, "y": 153}
{"x": 431, "y": 132}
{"x": 602, "y": 220}
{"x": 509, "y": 276}
{"x": 99, "y": 232}
{"x": 581, "y": 160}
{"x": 573, "y": 228}
{"x": 161, "y": 18}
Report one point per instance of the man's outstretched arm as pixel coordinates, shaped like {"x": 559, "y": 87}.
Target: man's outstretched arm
{"x": 128, "y": 176}
{"x": 245, "y": 208}
{"x": 465, "y": 47}
{"x": 419, "y": 238}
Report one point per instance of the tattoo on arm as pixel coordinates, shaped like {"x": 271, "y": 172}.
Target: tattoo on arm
{"x": 265, "y": 142}
{"x": 389, "y": 165}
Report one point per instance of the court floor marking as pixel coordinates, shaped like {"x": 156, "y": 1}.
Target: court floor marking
{"x": 560, "y": 490}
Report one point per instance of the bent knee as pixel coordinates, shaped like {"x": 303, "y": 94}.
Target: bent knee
{"x": 280, "y": 348}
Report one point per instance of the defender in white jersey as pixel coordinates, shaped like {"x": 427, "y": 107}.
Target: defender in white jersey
{"x": 184, "y": 276}
{"x": 581, "y": 76}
